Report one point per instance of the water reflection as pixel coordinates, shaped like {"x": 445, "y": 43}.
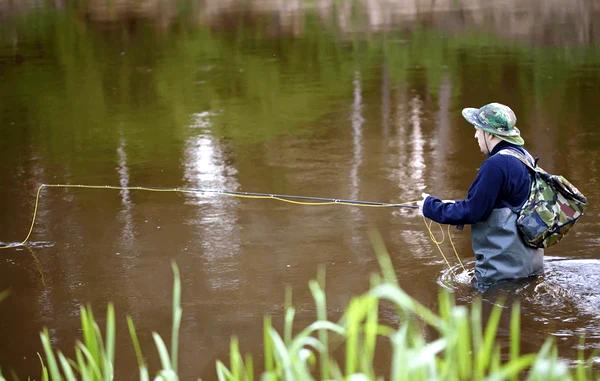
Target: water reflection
{"x": 357, "y": 121}
{"x": 417, "y": 161}
{"x": 385, "y": 101}
{"x": 399, "y": 158}
{"x": 442, "y": 135}
{"x": 407, "y": 158}
{"x": 215, "y": 223}
{"x": 540, "y": 21}
{"x": 36, "y": 262}
{"x": 357, "y": 126}
{"x": 127, "y": 232}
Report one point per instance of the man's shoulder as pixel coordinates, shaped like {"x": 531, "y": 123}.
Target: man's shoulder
{"x": 498, "y": 159}
{"x": 505, "y": 161}
{"x": 508, "y": 151}
{"x": 493, "y": 166}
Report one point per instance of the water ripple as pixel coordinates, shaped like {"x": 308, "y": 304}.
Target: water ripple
{"x": 567, "y": 293}
{"x": 31, "y": 245}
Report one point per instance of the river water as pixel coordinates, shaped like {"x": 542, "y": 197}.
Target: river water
{"x": 355, "y": 100}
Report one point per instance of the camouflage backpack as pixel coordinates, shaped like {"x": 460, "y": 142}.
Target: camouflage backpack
{"x": 553, "y": 206}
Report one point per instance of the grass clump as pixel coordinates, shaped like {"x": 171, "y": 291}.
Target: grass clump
{"x": 95, "y": 354}
{"x": 463, "y": 347}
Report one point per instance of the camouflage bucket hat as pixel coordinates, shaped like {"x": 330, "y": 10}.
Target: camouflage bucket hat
{"x": 497, "y": 119}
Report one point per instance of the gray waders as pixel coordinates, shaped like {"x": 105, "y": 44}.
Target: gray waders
{"x": 500, "y": 253}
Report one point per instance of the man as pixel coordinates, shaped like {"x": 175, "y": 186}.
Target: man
{"x": 499, "y": 190}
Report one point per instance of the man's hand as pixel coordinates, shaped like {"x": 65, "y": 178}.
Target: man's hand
{"x": 420, "y": 203}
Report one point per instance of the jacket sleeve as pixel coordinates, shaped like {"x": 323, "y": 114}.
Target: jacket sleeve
{"x": 478, "y": 205}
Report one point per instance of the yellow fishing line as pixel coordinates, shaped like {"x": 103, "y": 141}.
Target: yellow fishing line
{"x": 439, "y": 242}
{"x": 454, "y": 249}
{"x": 238, "y": 195}
{"x": 303, "y": 202}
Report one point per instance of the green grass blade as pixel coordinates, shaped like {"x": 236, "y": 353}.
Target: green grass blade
{"x": 109, "y": 357}
{"x": 290, "y": 313}
{"x": 135, "y": 342}
{"x": 404, "y": 301}
{"x": 84, "y": 370}
{"x": 370, "y": 331}
{"x": 91, "y": 334}
{"x": 321, "y": 304}
{"x": 50, "y": 358}
{"x": 282, "y": 353}
{"x": 144, "y": 376}
{"x": 513, "y": 368}
{"x": 426, "y": 354}
{"x": 162, "y": 351}
{"x": 91, "y": 361}
{"x": 445, "y": 305}
{"x": 463, "y": 342}
{"x": 476, "y": 328}
{"x": 484, "y": 356}
{"x": 288, "y": 324}
{"x": 383, "y": 258}
{"x": 268, "y": 345}
{"x": 235, "y": 359}
{"x": 515, "y": 335}
{"x": 547, "y": 366}
{"x": 249, "y": 376}
{"x": 177, "y": 312}
{"x": 167, "y": 375}
{"x": 44, "y": 376}
{"x": 321, "y": 325}
{"x": 399, "y": 362}
{"x": 66, "y": 367}
{"x": 223, "y": 374}
{"x": 305, "y": 343}
{"x": 269, "y": 376}
{"x": 353, "y": 318}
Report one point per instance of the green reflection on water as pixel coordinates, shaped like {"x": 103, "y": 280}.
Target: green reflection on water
{"x": 74, "y": 86}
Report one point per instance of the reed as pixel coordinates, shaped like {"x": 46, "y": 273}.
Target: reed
{"x": 95, "y": 354}
{"x": 464, "y": 347}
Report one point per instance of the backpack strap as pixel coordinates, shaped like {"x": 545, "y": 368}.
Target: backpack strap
{"x": 525, "y": 158}
{"x": 528, "y": 161}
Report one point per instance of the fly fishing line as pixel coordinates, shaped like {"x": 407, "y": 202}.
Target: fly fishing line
{"x": 292, "y": 199}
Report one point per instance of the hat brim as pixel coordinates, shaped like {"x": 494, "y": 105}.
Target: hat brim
{"x": 471, "y": 115}
{"x": 516, "y": 140}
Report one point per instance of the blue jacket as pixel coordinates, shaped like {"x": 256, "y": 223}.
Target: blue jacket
{"x": 502, "y": 181}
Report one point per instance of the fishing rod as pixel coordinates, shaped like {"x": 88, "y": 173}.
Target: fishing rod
{"x": 317, "y": 200}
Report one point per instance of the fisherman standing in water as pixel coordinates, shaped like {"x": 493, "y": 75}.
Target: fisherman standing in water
{"x": 496, "y": 195}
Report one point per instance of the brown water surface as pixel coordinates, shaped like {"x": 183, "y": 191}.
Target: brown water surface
{"x": 356, "y": 101}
